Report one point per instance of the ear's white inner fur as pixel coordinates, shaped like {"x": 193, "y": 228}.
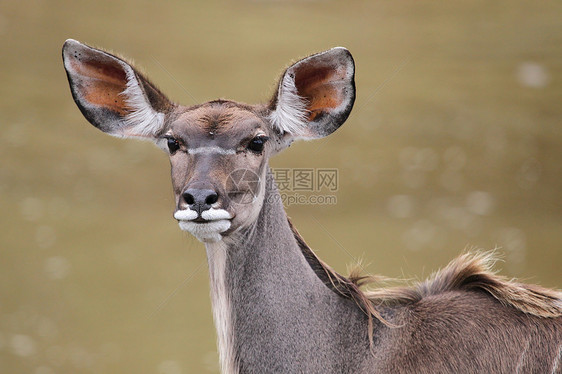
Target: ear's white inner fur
{"x": 143, "y": 120}
{"x": 290, "y": 115}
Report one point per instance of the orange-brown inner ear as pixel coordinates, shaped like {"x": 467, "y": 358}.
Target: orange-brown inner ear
{"x": 318, "y": 86}
{"x": 102, "y": 84}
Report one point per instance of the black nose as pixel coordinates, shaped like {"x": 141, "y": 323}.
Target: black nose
{"x": 199, "y": 200}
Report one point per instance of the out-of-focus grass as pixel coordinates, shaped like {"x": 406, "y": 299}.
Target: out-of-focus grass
{"x": 454, "y": 141}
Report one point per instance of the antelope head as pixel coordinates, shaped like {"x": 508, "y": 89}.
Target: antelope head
{"x": 218, "y": 150}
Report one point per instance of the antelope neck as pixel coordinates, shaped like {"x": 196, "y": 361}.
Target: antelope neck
{"x": 268, "y": 300}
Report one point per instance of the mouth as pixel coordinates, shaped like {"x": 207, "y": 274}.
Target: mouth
{"x": 199, "y": 219}
{"x": 208, "y": 226}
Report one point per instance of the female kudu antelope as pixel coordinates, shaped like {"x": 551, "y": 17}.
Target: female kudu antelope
{"x": 277, "y": 307}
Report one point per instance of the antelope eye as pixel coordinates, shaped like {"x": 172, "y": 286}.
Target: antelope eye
{"x": 256, "y": 145}
{"x": 173, "y": 145}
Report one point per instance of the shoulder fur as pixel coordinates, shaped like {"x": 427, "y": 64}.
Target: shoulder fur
{"x": 470, "y": 272}
{"x": 473, "y": 271}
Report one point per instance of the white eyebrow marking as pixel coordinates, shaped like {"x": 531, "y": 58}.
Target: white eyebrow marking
{"x": 213, "y": 149}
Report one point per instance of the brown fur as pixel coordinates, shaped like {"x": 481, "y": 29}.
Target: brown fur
{"x": 471, "y": 271}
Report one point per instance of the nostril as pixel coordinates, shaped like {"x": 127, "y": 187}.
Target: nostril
{"x": 188, "y": 198}
{"x": 199, "y": 199}
{"x": 211, "y": 199}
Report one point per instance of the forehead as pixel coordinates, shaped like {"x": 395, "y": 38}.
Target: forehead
{"x": 220, "y": 122}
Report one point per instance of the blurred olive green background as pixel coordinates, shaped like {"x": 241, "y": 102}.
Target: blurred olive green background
{"x": 455, "y": 141}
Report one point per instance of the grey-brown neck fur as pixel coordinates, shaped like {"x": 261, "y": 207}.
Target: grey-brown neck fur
{"x": 286, "y": 319}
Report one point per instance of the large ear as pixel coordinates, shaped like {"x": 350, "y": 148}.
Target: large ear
{"x": 112, "y": 95}
{"x": 315, "y": 95}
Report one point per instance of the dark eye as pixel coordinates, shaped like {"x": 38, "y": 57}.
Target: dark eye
{"x": 256, "y": 144}
{"x": 173, "y": 145}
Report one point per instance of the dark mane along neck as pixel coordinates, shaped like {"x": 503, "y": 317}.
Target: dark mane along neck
{"x": 471, "y": 271}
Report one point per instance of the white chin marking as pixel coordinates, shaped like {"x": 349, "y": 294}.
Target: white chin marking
{"x": 209, "y": 232}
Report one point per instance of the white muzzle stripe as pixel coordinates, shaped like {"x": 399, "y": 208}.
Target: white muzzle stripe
{"x": 209, "y": 215}
{"x": 215, "y": 214}
{"x": 185, "y": 215}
